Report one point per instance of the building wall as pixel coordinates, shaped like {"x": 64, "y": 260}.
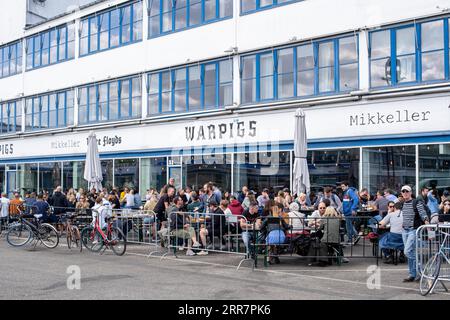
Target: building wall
{"x": 12, "y": 20}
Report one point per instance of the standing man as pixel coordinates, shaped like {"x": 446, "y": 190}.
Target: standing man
{"x": 335, "y": 202}
{"x": 163, "y": 204}
{"x": 4, "y": 211}
{"x": 349, "y": 206}
{"x": 414, "y": 215}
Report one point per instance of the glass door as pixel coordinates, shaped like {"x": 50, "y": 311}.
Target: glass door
{"x": 11, "y": 183}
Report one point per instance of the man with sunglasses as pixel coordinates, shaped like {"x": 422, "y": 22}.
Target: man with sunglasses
{"x": 414, "y": 215}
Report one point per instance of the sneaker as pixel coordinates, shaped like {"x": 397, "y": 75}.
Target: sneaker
{"x": 345, "y": 260}
{"x": 190, "y": 253}
{"x": 196, "y": 245}
{"x": 356, "y": 240}
{"x": 202, "y": 253}
{"x": 409, "y": 279}
{"x": 180, "y": 249}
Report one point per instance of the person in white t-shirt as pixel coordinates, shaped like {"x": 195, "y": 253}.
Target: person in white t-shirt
{"x": 4, "y": 211}
{"x": 392, "y": 240}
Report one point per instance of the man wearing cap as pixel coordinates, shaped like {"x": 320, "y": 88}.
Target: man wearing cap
{"x": 414, "y": 215}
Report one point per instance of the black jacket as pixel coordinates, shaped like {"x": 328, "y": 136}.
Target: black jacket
{"x": 59, "y": 202}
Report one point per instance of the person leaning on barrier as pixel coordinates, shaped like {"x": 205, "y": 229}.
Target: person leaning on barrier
{"x": 250, "y": 221}
{"x": 180, "y": 226}
{"x": 215, "y": 228}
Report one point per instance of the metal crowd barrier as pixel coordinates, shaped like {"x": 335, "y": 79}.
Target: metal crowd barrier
{"x": 204, "y": 233}
{"x": 139, "y": 226}
{"x": 430, "y": 240}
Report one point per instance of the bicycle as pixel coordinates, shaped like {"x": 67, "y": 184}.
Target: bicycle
{"x": 73, "y": 234}
{"x": 431, "y": 271}
{"x": 96, "y": 239}
{"x": 23, "y": 232}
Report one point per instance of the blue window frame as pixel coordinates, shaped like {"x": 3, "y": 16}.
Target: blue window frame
{"x": 323, "y": 67}
{"x": 50, "y": 47}
{"x": 250, "y": 6}
{"x": 110, "y": 101}
{"x": 190, "y": 88}
{"x": 111, "y": 28}
{"x": 167, "y": 16}
{"x": 11, "y": 117}
{"x": 410, "y": 54}
{"x": 49, "y": 111}
{"x": 10, "y": 59}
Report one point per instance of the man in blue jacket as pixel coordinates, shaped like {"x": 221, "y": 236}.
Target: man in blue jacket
{"x": 350, "y": 204}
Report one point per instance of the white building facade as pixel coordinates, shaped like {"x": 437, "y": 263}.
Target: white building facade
{"x": 206, "y": 90}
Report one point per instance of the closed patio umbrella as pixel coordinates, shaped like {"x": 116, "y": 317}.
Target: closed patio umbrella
{"x": 301, "y": 173}
{"x": 93, "y": 168}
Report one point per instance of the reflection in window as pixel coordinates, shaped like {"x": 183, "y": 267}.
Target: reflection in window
{"x": 153, "y": 174}
{"x": 107, "y": 172}
{"x": 10, "y": 59}
{"x": 248, "y": 6}
{"x": 389, "y": 167}
{"x": 49, "y": 176}
{"x": 126, "y": 173}
{"x": 434, "y": 166}
{"x": 262, "y": 170}
{"x": 192, "y": 88}
{"x": 73, "y": 172}
{"x": 199, "y": 170}
{"x": 433, "y": 50}
{"x": 166, "y": 16}
{"x": 27, "y": 177}
{"x": 11, "y": 117}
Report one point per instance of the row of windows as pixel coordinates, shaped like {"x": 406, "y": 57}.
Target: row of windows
{"x": 310, "y": 69}
{"x": 10, "y": 59}
{"x": 11, "y": 117}
{"x": 52, "y": 46}
{"x": 192, "y": 88}
{"x": 112, "y": 28}
{"x": 109, "y": 101}
{"x": 410, "y": 54}
{"x": 49, "y": 111}
{"x": 248, "y": 6}
{"x": 167, "y": 16}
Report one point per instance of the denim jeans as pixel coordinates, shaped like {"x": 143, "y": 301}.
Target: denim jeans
{"x": 409, "y": 240}
{"x": 247, "y": 236}
{"x": 351, "y": 231}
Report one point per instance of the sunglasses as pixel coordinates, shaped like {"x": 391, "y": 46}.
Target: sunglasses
{"x": 447, "y": 204}
{"x": 405, "y": 191}
{"x": 391, "y": 207}
{"x": 322, "y": 208}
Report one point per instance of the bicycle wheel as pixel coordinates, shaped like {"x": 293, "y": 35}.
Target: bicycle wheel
{"x": 91, "y": 239}
{"x": 117, "y": 241}
{"x": 430, "y": 274}
{"x": 48, "y": 235}
{"x": 19, "y": 235}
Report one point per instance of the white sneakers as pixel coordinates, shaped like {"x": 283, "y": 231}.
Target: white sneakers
{"x": 202, "y": 253}
{"x": 190, "y": 253}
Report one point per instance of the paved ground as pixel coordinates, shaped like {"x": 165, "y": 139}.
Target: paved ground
{"x": 41, "y": 274}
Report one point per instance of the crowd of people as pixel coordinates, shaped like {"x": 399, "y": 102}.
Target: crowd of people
{"x": 275, "y": 215}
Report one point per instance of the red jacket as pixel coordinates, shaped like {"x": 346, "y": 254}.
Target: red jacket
{"x": 236, "y": 208}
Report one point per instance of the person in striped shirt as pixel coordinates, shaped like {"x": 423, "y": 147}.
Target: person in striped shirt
{"x": 414, "y": 215}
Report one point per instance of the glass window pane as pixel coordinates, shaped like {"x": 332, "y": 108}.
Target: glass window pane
{"x": 153, "y": 102}
{"x": 248, "y": 5}
{"x": 406, "y": 41}
{"x": 305, "y": 57}
{"x": 249, "y": 67}
{"x": 126, "y": 173}
{"x": 180, "y": 90}
{"x": 126, "y": 24}
{"x": 348, "y": 75}
{"x": 434, "y": 167}
{"x": 153, "y": 173}
{"x": 210, "y": 85}
{"x": 73, "y": 173}
{"x": 326, "y": 54}
{"x": 125, "y": 99}
{"x": 210, "y": 10}
{"x": 433, "y": 66}
{"x": 326, "y": 79}
{"x": 114, "y": 100}
{"x": 407, "y": 67}
{"x": 432, "y": 35}
{"x": 226, "y": 8}
{"x": 180, "y": 14}
{"x": 195, "y": 13}
{"x": 305, "y": 83}
{"x": 266, "y": 64}
{"x": 194, "y": 88}
{"x": 348, "y": 50}
{"x": 49, "y": 176}
{"x": 380, "y": 73}
{"x": 137, "y": 18}
{"x": 380, "y": 44}
{"x": 166, "y": 95}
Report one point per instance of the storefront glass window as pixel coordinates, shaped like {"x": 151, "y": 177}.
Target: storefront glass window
{"x": 389, "y": 167}
{"x": 330, "y": 167}
{"x": 153, "y": 174}
{"x": 262, "y": 170}
{"x": 434, "y": 166}
{"x": 126, "y": 173}
{"x": 49, "y": 176}
{"x": 27, "y": 177}
{"x": 73, "y": 175}
{"x": 107, "y": 172}
{"x": 216, "y": 168}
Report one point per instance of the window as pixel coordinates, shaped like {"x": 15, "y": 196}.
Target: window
{"x": 11, "y": 117}
{"x": 10, "y": 59}
{"x": 409, "y": 54}
{"x": 249, "y": 6}
{"x": 324, "y": 67}
{"x": 52, "y": 46}
{"x": 111, "y": 28}
{"x": 166, "y": 16}
{"x": 109, "y": 101}
{"x": 192, "y": 88}
{"x": 54, "y": 110}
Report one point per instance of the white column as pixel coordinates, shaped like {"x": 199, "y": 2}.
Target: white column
{"x": 76, "y": 92}
{"x": 364, "y": 74}
{"x": 144, "y": 95}
{"x": 22, "y": 107}
{"x": 236, "y": 81}
{"x": 145, "y": 19}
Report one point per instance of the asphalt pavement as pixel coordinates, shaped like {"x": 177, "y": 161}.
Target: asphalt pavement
{"x": 49, "y": 274}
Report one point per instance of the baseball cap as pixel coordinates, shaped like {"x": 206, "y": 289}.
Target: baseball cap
{"x": 407, "y": 188}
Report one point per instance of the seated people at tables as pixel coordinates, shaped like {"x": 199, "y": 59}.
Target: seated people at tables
{"x": 392, "y": 240}
{"x": 296, "y": 218}
{"x": 216, "y": 227}
{"x": 180, "y": 226}
{"x": 302, "y": 200}
{"x": 235, "y": 206}
{"x": 196, "y": 206}
{"x": 381, "y": 204}
{"x": 263, "y": 198}
{"x": 328, "y": 194}
{"x": 314, "y": 218}
{"x": 275, "y": 228}
{"x": 250, "y": 221}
